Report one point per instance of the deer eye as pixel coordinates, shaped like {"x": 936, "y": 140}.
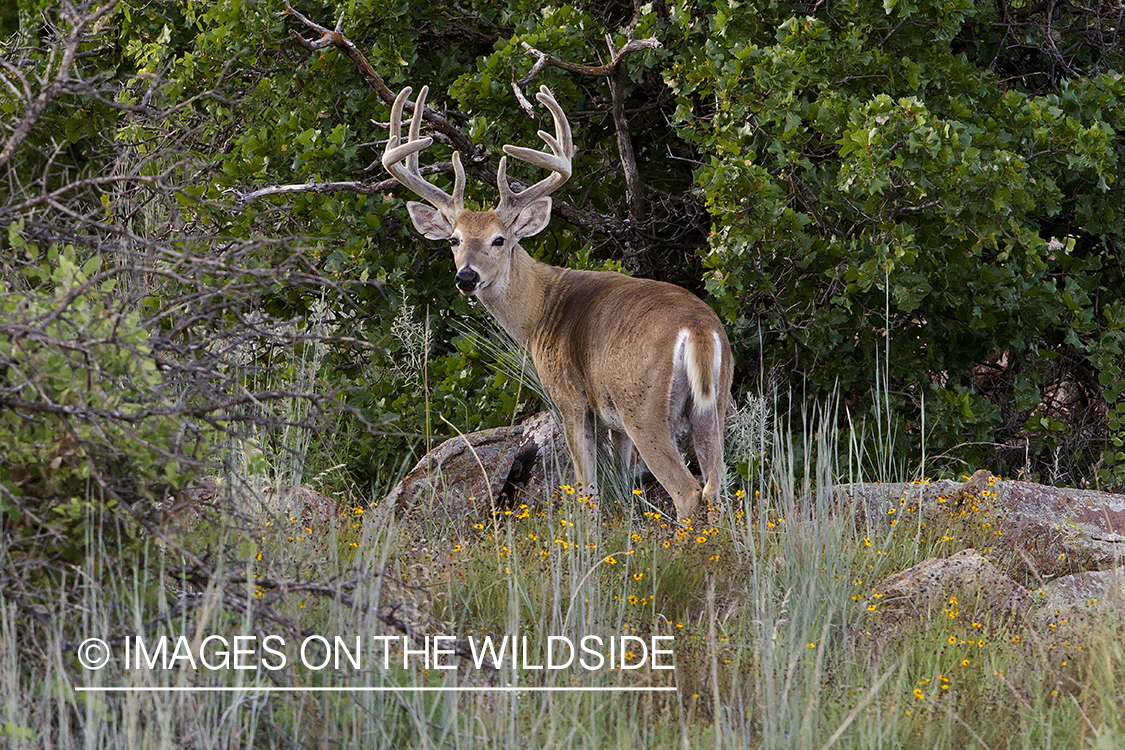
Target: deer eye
{"x": 454, "y": 241}
{"x": 498, "y": 242}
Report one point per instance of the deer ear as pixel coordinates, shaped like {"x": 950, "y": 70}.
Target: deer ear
{"x": 429, "y": 221}
{"x": 533, "y": 219}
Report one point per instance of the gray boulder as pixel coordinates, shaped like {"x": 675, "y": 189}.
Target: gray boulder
{"x": 466, "y": 477}
{"x": 1037, "y": 532}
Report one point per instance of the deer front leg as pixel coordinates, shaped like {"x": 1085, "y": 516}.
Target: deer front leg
{"x": 578, "y": 429}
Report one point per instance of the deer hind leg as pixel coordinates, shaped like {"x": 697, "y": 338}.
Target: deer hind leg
{"x": 656, "y": 424}
{"x": 698, "y": 360}
{"x": 707, "y": 439}
{"x": 578, "y": 429}
{"x": 663, "y": 460}
{"x": 648, "y": 429}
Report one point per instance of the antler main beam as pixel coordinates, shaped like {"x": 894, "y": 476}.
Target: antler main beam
{"x": 558, "y": 161}
{"x": 401, "y": 159}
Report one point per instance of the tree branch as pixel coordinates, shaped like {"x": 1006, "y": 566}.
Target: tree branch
{"x": 600, "y": 71}
{"x": 614, "y": 70}
{"x": 79, "y": 19}
{"x": 351, "y": 186}
{"x": 336, "y": 38}
{"x": 634, "y": 189}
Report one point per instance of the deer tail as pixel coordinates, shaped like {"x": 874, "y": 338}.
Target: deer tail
{"x": 703, "y": 360}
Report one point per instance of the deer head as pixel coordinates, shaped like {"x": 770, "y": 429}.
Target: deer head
{"x": 482, "y": 241}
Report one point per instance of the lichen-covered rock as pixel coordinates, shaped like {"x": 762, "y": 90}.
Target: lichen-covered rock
{"x": 301, "y": 503}
{"x": 1035, "y": 532}
{"x": 465, "y": 477}
{"x": 1052, "y": 531}
{"x": 881, "y": 502}
{"x": 1075, "y": 611}
{"x": 1082, "y": 600}
{"x": 205, "y": 498}
{"x": 965, "y": 585}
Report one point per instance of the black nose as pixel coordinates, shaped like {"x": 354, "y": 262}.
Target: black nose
{"x": 467, "y": 280}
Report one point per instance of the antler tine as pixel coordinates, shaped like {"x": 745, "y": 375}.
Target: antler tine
{"x": 545, "y": 96}
{"x": 416, "y": 129}
{"x": 558, "y": 161}
{"x": 401, "y": 159}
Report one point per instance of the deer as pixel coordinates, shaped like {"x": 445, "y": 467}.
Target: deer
{"x": 646, "y": 359}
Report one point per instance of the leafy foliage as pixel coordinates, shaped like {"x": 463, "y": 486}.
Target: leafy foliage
{"x": 84, "y": 424}
{"x": 874, "y": 188}
{"x": 922, "y": 188}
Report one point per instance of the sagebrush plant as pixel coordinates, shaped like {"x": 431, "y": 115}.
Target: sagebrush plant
{"x": 415, "y": 342}
{"x": 748, "y": 431}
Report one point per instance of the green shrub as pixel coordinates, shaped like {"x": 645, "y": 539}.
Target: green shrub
{"x": 88, "y": 422}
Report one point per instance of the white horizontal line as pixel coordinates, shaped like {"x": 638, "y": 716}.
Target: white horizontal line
{"x": 381, "y": 689}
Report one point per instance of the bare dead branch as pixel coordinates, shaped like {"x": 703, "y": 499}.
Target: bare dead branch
{"x": 599, "y": 71}
{"x": 352, "y": 186}
{"x": 634, "y": 189}
{"x": 336, "y": 38}
{"x": 80, "y": 20}
{"x": 614, "y": 71}
{"x": 525, "y": 105}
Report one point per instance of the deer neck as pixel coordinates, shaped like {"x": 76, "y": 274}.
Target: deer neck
{"x": 518, "y": 300}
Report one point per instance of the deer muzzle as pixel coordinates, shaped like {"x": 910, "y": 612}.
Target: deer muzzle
{"x": 467, "y": 280}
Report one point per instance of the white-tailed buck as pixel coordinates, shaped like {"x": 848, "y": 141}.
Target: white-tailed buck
{"x": 645, "y": 359}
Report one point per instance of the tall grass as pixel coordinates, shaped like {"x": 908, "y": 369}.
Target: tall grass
{"x": 769, "y": 606}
